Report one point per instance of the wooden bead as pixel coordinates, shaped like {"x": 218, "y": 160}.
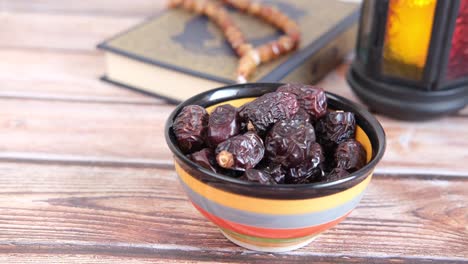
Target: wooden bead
{"x": 275, "y": 48}
{"x": 210, "y": 9}
{"x": 295, "y": 35}
{"x": 281, "y": 20}
{"x": 243, "y": 49}
{"x": 236, "y": 44}
{"x": 254, "y": 9}
{"x": 286, "y": 44}
{"x": 265, "y": 12}
{"x": 235, "y": 41}
{"x": 234, "y": 37}
{"x": 239, "y": 4}
{"x": 175, "y": 3}
{"x": 291, "y": 25}
{"x": 272, "y": 20}
{"x": 220, "y": 15}
{"x": 189, "y": 4}
{"x": 254, "y": 55}
{"x": 275, "y": 14}
{"x": 199, "y": 6}
{"x": 266, "y": 54}
{"x": 226, "y": 24}
{"x": 232, "y": 31}
{"x": 246, "y": 67}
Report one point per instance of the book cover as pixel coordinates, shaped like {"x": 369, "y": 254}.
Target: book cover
{"x": 180, "y": 41}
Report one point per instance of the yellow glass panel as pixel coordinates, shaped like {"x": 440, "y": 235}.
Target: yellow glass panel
{"x": 407, "y": 37}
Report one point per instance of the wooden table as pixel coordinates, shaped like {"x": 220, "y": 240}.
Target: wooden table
{"x": 85, "y": 174}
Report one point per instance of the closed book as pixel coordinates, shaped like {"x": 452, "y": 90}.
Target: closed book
{"x": 177, "y": 54}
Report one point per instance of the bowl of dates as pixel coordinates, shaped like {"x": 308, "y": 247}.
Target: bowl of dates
{"x": 273, "y": 165}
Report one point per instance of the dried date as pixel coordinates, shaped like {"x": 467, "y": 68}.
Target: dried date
{"x": 350, "y": 155}
{"x": 335, "y": 174}
{"x": 240, "y": 152}
{"x": 259, "y": 176}
{"x": 334, "y": 128}
{"x": 310, "y": 169}
{"x": 190, "y": 127}
{"x": 268, "y": 109}
{"x": 276, "y": 172}
{"x": 312, "y": 99}
{"x": 223, "y": 123}
{"x": 302, "y": 116}
{"x": 288, "y": 142}
{"x": 204, "y": 158}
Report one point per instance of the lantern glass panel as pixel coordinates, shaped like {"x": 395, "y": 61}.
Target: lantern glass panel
{"x": 407, "y": 38}
{"x": 364, "y": 44}
{"x": 458, "y": 60}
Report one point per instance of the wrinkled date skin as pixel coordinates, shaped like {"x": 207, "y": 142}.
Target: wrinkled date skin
{"x": 268, "y": 109}
{"x": 288, "y": 142}
{"x": 276, "y": 172}
{"x": 312, "y": 99}
{"x": 334, "y": 128}
{"x": 204, "y": 158}
{"x": 259, "y": 176}
{"x": 350, "y": 155}
{"x": 223, "y": 123}
{"x": 240, "y": 152}
{"x": 302, "y": 116}
{"x": 190, "y": 128}
{"x": 310, "y": 169}
{"x": 335, "y": 174}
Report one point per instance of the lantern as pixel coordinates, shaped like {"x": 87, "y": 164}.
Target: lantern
{"x": 412, "y": 57}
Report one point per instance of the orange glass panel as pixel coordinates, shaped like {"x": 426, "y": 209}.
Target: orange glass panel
{"x": 407, "y": 37}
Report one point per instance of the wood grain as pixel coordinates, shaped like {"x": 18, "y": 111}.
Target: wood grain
{"x": 133, "y": 134}
{"x": 60, "y": 75}
{"x": 69, "y": 254}
{"x": 103, "y": 131}
{"x": 142, "y": 212}
{"x": 118, "y": 8}
{"x": 58, "y": 31}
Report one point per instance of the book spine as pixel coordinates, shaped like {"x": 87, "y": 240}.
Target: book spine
{"x": 325, "y": 60}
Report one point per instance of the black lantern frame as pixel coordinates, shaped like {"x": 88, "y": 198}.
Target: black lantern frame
{"x": 433, "y": 94}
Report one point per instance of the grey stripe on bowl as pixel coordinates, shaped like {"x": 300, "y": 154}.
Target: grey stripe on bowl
{"x": 271, "y": 221}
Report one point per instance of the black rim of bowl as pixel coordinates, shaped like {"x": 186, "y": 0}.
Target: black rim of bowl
{"x": 364, "y": 119}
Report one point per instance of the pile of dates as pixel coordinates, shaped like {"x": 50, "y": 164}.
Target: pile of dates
{"x": 284, "y": 137}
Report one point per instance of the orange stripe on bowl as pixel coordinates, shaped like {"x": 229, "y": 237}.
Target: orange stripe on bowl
{"x": 271, "y": 206}
{"x": 269, "y": 233}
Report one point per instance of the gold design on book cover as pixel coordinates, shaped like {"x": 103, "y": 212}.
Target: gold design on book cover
{"x": 181, "y": 39}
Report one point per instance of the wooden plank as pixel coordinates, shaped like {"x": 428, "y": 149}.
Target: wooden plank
{"x": 108, "y": 131}
{"x": 103, "y": 7}
{"x": 435, "y": 147}
{"x": 33, "y": 130}
{"x": 59, "y": 75}
{"x": 69, "y": 254}
{"x": 142, "y": 213}
{"x": 71, "y": 32}
{"x": 63, "y": 258}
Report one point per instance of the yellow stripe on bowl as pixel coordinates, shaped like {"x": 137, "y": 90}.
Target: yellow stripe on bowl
{"x": 271, "y": 206}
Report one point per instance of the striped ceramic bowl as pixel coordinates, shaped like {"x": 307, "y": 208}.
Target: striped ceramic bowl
{"x": 274, "y": 218}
